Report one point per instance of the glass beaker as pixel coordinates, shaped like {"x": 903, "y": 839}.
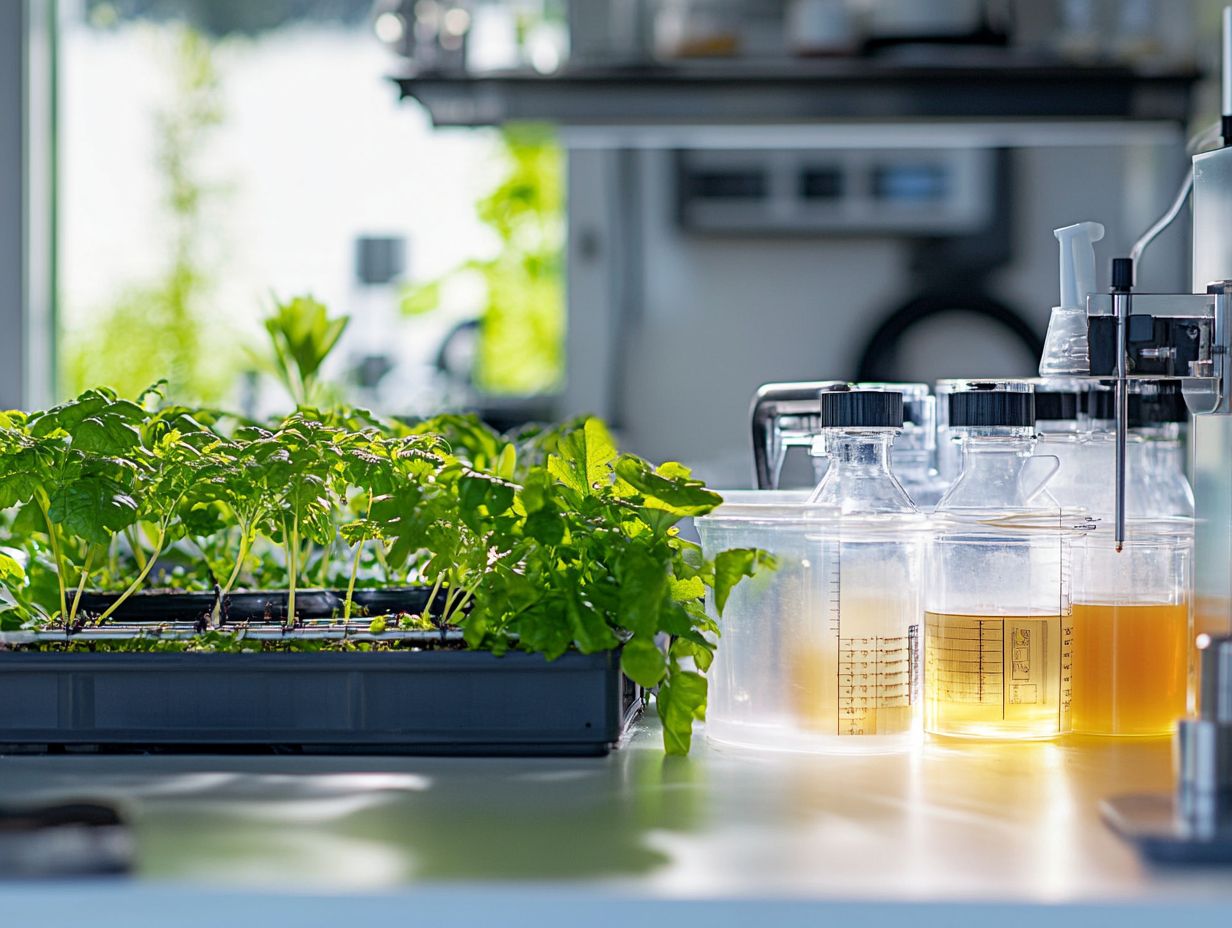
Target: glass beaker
{"x": 1133, "y": 610}
{"x": 823, "y": 654}
{"x": 997, "y": 620}
{"x": 755, "y": 699}
{"x": 1132, "y": 618}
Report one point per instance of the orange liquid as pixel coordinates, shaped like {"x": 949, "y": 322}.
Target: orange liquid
{"x": 1131, "y": 668}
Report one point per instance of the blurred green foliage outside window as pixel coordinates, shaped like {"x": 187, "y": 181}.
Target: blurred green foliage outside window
{"x": 155, "y": 329}
{"x": 522, "y": 310}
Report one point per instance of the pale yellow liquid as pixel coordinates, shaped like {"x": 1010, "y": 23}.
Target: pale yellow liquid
{"x": 997, "y": 676}
{"x": 854, "y": 681}
{"x": 1131, "y": 668}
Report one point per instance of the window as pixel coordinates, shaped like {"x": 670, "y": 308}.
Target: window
{"x": 217, "y": 156}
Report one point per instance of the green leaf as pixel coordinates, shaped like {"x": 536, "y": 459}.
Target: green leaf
{"x": 12, "y": 574}
{"x": 507, "y": 463}
{"x": 643, "y": 662}
{"x": 105, "y": 435}
{"x": 537, "y": 490}
{"x": 732, "y": 566}
{"x": 590, "y": 632}
{"x": 422, "y": 299}
{"x": 643, "y": 590}
{"x": 545, "y": 526}
{"x": 668, "y": 490}
{"x": 689, "y": 588}
{"x": 302, "y": 335}
{"x": 472, "y": 491}
{"x": 680, "y": 701}
{"x": 93, "y": 508}
{"x": 545, "y": 628}
{"x": 585, "y": 458}
{"x": 701, "y": 653}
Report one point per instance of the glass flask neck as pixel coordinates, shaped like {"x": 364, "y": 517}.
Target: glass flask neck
{"x": 999, "y": 469}
{"x": 998, "y": 440}
{"x": 859, "y": 480}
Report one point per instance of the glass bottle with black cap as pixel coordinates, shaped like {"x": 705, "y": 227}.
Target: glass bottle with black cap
{"x": 914, "y": 455}
{"x": 997, "y": 616}
{"x": 856, "y": 674}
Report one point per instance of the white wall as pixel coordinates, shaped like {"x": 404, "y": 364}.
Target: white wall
{"x": 708, "y": 319}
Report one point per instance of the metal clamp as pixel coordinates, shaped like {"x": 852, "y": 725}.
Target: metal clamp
{"x": 784, "y": 415}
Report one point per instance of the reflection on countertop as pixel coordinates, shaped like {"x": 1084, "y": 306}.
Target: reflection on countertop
{"x": 955, "y": 821}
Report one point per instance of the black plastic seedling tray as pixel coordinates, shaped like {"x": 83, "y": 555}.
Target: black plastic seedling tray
{"x": 442, "y": 701}
{"x": 260, "y": 605}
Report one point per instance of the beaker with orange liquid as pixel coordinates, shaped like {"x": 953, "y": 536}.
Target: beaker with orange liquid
{"x": 1133, "y": 625}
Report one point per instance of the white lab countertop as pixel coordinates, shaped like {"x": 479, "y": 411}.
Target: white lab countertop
{"x": 995, "y": 830}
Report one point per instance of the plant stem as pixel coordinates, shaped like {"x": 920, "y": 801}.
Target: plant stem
{"x": 235, "y": 572}
{"x": 239, "y": 561}
{"x": 323, "y": 576}
{"x": 291, "y": 533}
{"x": 55, "y": 553}
{"x": 81, "y": 584}
{"x": 436, "y": 588}
{"x": 131, "y": 534}
{"x": 359, "y": 548}
{"x": 466, "y": 598}
{"x": 136, "y": 584}
{"x": 380, "y": 556}
{"x": 346, "y": 606}
{"x": 448, "y": 610}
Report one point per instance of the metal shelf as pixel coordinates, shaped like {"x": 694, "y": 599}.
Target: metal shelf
{"x": 965, "y": 88}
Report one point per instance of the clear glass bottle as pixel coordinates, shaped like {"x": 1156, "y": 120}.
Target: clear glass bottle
{"x": 858, "y": 678}
{"x": 914, "y": 455}
{"x": 997, "y": 618}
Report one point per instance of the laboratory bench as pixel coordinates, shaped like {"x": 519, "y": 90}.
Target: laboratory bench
{"x": 954, "y": 831}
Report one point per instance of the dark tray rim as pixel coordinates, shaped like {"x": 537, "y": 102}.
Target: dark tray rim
{"x": 461, "y": 658}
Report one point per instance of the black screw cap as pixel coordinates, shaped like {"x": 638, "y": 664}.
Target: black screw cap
{"x": 855, "y": 409}
{"x": 1122, "y": 274}
{"x": 983, "y": 407}
{"x": 1058, "y": 405}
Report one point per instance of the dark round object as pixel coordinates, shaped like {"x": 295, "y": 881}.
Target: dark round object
{"x": 855, "y": 409}
{"x": 979, "y": 408}
{"x": 1122, "y": 274}
{"x": 879, "y": 360}
{"x": 1058, "y": 406}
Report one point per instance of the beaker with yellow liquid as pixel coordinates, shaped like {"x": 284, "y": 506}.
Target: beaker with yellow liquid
{"x": 998, "y": 630}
